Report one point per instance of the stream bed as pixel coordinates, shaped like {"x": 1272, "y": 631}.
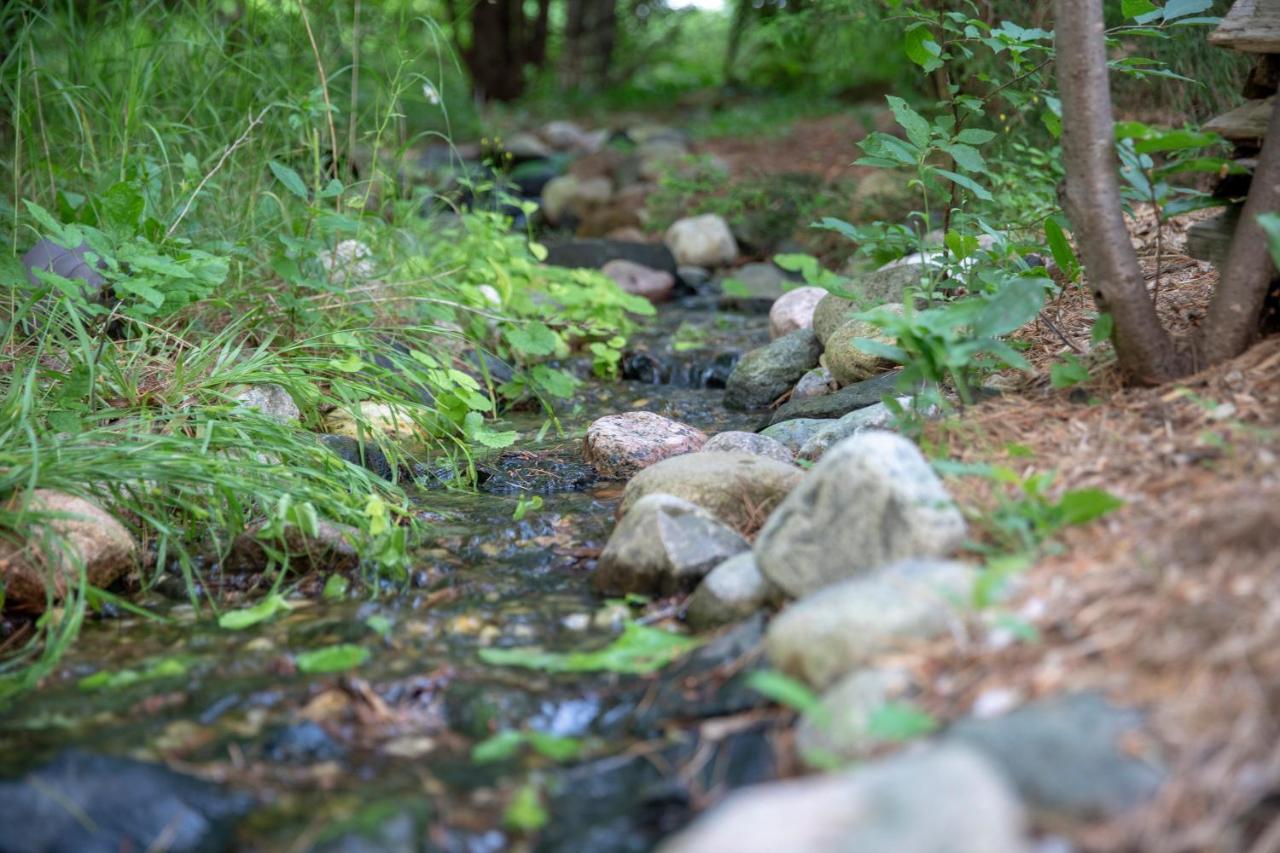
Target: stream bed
{"x": 381, "y": 757}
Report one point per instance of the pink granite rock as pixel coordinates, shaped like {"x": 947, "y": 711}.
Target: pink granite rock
{"x": 794, "y": 310}
{"x": 654, "y": 285}
{"x": 618, "y": 446}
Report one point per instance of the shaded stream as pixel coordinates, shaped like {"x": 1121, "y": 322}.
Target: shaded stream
{"x": 380, "y": 758}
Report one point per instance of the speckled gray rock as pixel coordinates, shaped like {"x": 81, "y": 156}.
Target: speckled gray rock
{"x": 618, "y": 446}
{"x": 794, "y": 433}
{"x": 873, "y": 499}
{"x": 815, "y": 383}
{"x": 794, "y": 310}
{"x": 664, "y": 545}
{"x": 847, "y": 625}
{"x": 765, "y": 374}
{"x": 939, "y": 800}
{"x": 271, "y": 400}
{"x": 738, "y": 488}
{"x": 838, "y": 403}
{"x": 848, "y": 362}
{"x": 750, "y": 442}
{"x": 733, "y": 590}
{"x": 877, "y": 417}
{"x": 1067, "y": 755}
{"x": 702, "y": 241}
{"x": 840, "y": 727}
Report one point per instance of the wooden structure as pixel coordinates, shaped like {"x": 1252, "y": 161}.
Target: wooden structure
{"x": 1252, "y": 26}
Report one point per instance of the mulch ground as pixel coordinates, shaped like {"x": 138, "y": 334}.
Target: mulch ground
{"x": 1171, "y": 604}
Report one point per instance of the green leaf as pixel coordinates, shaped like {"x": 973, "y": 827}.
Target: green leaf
{"x": 785, "y": 690}
{"x": 121, "y": 207}
{"x": 339, "y": 658}
{"x": 1134, "y": 8}
{"x": 916, "y": 126}
{"x": 975, "y": 136}
{"x": 171, "y": 667}
{"x": 922, "y": 48}
{"x": 1015, "y": 304}
{"x": 525, "y": 812}
{"x": 1270, "y": 223}
{"x": 899, "y": 721}
{"x": 1080, "y": 506}
{"x": 335, "y": 588}
{"x": 639, "y": 651}
{"x": 500, "y": 747}
{"x": 538, "y": 251}
{"x": 267, "y": 608}
{"x": 1068, "y": 372}
{"x": 1060, "y": 247}
{"x": 968, "y": 183}
{"x": 555, "y": 747}
{"x": 966, "y": 157}
{"x": 532, "y": 339}
{"x": 1175, "y": 9}
{"x": 1102, "y": 327}
{"x": 291, "y": 179}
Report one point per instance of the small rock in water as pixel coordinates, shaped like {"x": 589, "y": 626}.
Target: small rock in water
{"x": 794, "y": 433}
{"x": 849, "y": 363}
{"x": 738, "y": 488}
{"x": 794, "y": 310}
{"x": 302, "y": 743}
{"x": 815, "y": 383}
{"x": 846, "y": 625}
{"x": 366, "y": 455}
{"x": 654, "y": 285}
{"x": 1067, "y": 755}
{"x": 835, "y": 404}
{"x": 841, "y": 727}
{"x": 374, "y": 418}
{"x": 733, "y": 590}
{"x": 664, "y": 545}
{"x": 940, "y": 800}
{"x": 873, "y": 499}
{"x": 693, "y": 277}
{"x": 594, "y": 254}
{"x": 753, "y": 288}
{"x": 97, "y": 804}
{"x": 331, "y": 548}
{"x": 765, "y": 374}
{"x": 271, "y": 400}
{"x": 703, "y": 241}
{"x": 618, "y": 446}
{"x": 51, "y": 559}
{"x": 749, "y": 442}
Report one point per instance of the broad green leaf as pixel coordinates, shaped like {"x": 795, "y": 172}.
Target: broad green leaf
{"x": 1175, "y": 9}
{"x": 922, "y": 48}
{"x": 639, "y": 651}
{"x": 1270, "y": 223}
{"x": 525, "y": 812}
{"x": 335, "y": 587}
{"x": 1060, "y": 247}
{"x": 968, "y": 183}
{"x": 289, "y": 177}
{"x": 502, "y": 746}
{"x": 785, "y": 690}
{"x": 555, "y": 747}
{"x": 1015, "y": 304}
{"x": 1134, "y": 8}
{"x": 975, "y": 136}
{"x": 966, "y": 157}
{"x": 899, "y": 721}
{"x": 1102, "y": 327}
{"x": 532, "y": 339}
{"x": 1080, "y": 506}
{"x": 916, "y": 126}
{"x": 267, "y": 608}
{"x": 339, "y": 658}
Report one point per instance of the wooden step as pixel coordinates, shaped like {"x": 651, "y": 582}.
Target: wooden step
{"x": 1210, "y": 239}
{"x": 1252, "y": 26}
{"x": 1247, "y": 123}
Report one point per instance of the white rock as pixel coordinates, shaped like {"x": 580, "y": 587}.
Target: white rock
{"x": 794, "y": 310}
{"x": 703, "y": 241}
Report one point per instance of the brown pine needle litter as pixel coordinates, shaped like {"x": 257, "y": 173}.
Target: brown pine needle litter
{"x": 1172, "y": 603}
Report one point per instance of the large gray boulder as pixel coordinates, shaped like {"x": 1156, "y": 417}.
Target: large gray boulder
{"x": 940, "y": 800}
{"x": 738, "y": 488}
{"x": 765, "y": 374}
{"x": 793, "y": 434}
{"x": 733, "y": 590}
{"x": 873, "y": 499}
{"x": 847, "y": 625}
{"x": 664, "y": 545}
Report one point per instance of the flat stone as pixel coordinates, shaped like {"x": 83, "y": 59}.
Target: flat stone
{"x": 703, "y": 241}
{"x": 374, "y": 420}
{"x": 750, "y": 442}
{"x": 618, "y": 446}
{"x": 847, "y": 625}
{"x": 765, "y": 374}
{"x": 873, "y": 499}
{"x": 654, "y": 285}
{"x": 740, "y": 489}
{"x": 594, "y": 254}
{"x": 939, "y": 800}
{"x": 794, "y": 310}
{"x": 836, "y": 404}
{"x": 271, "y": 400}
{"x": 794, "y": 433}
{"x": 752, "y": 288}
{"x": 48, "y": 563}
{"x": 1067, "y": 756}
{"x": 732, "y": 591}
{"x": 664, "y": 545}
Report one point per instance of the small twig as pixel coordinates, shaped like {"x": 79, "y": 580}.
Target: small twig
{"x": 324, "y": 90}
{"x": 1061, "y": 336}
{"x": 231, "y": 149}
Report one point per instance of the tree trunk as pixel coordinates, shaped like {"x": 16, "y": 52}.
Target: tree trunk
{"x": 1247, "y": 274}
{"x": 496, "y": 54}
{"x": 589, "y": 33}
{"x": 1145, "y": 350}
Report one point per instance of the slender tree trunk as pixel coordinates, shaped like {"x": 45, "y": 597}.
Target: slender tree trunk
{"x": 1145, "y": 350}
{"x": 1246, "y": 277}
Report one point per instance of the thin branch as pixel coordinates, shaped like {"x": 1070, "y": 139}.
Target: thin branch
{"x": 324, "y": 90}
{"x": 231, "y": 149}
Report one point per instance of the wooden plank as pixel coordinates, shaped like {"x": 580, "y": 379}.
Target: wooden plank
{"x": 1252, "y": 26}
{"x": 1246, "y": 123}
{"x": 1210, "y": 239}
